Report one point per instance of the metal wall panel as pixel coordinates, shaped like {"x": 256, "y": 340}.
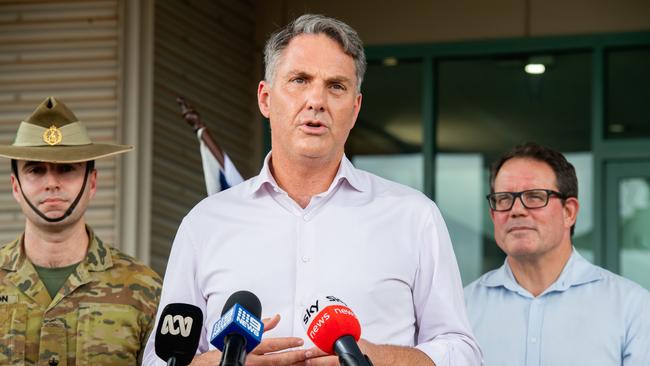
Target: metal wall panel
{"x": 67, "y": 49}
{"x": 204, "y": 51}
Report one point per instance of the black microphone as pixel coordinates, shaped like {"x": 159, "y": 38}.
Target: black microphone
{"x": 178, "y": 332}
{"x": 239, "y": 329}
{"x": 347, "y": 349}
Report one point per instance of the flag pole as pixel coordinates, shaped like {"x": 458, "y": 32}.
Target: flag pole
{"x": 193, "y": 118}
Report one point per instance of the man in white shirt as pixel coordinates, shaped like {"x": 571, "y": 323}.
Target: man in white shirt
{"x": 312, "y": 224}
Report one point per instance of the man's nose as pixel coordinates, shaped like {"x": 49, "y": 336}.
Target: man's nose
{"x": 518, "y": 207}
{"x": 52, "y": 180}
{"x": 317, "y": 97}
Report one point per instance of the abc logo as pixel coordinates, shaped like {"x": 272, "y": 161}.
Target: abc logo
{"x": 170, "y": 323}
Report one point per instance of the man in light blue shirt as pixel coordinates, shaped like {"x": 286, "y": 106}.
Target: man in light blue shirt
{"x": 547, "y": 305}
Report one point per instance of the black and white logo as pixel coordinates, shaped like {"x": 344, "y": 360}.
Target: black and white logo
{"x": 174, "y": 324}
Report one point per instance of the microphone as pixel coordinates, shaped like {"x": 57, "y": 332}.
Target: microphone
{"x": 333, "y": 327}
{"x": 178, "y": 332}
{"x": 239, "y": 329}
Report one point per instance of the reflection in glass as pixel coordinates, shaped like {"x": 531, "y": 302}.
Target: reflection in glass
{"x": 628, "y": 93}
{"x": 634, "y": 224}
{"x": 387, "y": 138}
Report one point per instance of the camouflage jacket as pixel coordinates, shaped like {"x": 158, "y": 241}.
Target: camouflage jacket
{"x": 101, "y": 316}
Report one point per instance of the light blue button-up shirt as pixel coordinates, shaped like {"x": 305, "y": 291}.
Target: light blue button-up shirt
{"x": 589, "y": 316}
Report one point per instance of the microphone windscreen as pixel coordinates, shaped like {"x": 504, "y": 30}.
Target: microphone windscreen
{"x": 328, "y": 319}
{"x": 178, "y": 333}
{"x": 241, "y": 316}
{"x": 246, "y": 299}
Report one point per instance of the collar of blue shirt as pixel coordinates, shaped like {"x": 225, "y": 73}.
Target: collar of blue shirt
{"x": 576, "y": 272}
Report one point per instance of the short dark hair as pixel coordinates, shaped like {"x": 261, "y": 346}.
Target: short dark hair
{"x": 565, "y": 174}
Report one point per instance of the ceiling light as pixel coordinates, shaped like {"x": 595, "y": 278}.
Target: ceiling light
{"x": 616, "y": 128}
{"x": 390, "y": 61}
{"x": 538, "y": 64}
{"x": 535, "y": 69}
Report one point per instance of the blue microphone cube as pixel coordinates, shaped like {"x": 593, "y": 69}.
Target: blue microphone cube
{"x": 240, "y": 321}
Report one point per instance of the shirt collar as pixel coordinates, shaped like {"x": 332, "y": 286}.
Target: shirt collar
{"x": 98, "y": 257}
{"x": 576, "y": 272}
{"x": 346, "y": 172}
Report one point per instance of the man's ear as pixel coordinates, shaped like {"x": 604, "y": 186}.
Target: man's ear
{"x": 264, "y": 98}
{"x": 92, "y": 182}
{"x": 15, "y": 188}
{"x": 570, "y": 211}
{"x": 357, "y": 108}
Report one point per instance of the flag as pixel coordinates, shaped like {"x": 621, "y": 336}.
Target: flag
{"x": 217, "y": 177}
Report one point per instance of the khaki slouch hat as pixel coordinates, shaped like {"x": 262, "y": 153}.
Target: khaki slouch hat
{"x": 52, "y": 133}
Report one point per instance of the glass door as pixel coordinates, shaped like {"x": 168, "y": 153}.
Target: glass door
{"x": 627, "y": 212}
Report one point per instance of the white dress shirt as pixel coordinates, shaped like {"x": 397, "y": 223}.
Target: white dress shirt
{"x": 381, "y": 247}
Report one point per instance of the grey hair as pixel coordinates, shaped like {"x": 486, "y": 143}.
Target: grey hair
{"x": 338, "y": 31}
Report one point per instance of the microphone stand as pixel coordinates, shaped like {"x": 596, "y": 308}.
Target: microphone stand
{"x": 234, "y": 351}
{"x": 349, "y": 353}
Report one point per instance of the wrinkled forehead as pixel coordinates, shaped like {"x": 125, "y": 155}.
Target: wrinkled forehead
{"x": 315, "y": 51}
{"x": 519, "y": 174}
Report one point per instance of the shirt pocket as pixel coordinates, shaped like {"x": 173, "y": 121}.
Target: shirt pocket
{"x": 13, "y": 327}
{"x": 108, "y": 334}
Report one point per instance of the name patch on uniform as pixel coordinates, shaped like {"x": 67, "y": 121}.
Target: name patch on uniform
{"x": 8, "y": 299}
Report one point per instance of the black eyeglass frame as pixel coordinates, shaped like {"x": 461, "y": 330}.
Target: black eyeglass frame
{"x": 515, "y": 195}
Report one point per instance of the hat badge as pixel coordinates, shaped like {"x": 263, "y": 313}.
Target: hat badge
{"x": 52, "y": 136}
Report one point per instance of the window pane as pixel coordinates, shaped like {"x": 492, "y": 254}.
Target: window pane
{"x": 628, "y": 93}
{"x": 634, "y": 216}
{"x": 487, "y": 106}
{"x": 387, "y": 138}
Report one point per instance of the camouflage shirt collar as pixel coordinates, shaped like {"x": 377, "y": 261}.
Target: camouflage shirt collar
{"x": 98, "y": 258}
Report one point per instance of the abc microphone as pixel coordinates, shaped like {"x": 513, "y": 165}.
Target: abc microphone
{"x": 239, "y": 329}
{"x": 334, "y": 328}
{"x": 178, "y": 332}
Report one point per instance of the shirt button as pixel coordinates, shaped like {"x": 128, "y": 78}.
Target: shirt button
{"x": 306, "y": 217}
{"x": 306, "y": 259}
{"x": 533, "y": 340}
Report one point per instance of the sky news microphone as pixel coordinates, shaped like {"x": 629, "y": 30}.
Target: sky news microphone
{"x": 239, "y": 329}
{"x": 178, "y": 332}
{"x": 334, "y": 328}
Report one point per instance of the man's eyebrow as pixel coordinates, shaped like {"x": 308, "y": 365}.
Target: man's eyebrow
{"x": 296, "y": 72}
{"x": 339, "y": 79}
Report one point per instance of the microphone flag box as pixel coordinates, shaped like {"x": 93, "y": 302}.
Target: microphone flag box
{"x": 240, "y": 321}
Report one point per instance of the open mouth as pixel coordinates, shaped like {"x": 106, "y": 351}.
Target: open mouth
{"x": 314, "y": 128}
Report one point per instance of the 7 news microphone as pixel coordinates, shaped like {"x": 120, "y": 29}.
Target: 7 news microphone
{"x": 333, "y": 327}
{"x": 239, "y": 329}
{"x": 177, "y": 334}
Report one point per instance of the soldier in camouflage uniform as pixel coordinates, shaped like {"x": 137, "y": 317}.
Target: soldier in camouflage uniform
{"x": 66, "y": 298}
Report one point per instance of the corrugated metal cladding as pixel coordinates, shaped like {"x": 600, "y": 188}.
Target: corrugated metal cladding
{"x": 204, "y": 50}
{"x": 67, "y": 49}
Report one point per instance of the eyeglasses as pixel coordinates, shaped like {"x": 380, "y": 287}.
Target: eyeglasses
{"x": 532, "y": 198}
